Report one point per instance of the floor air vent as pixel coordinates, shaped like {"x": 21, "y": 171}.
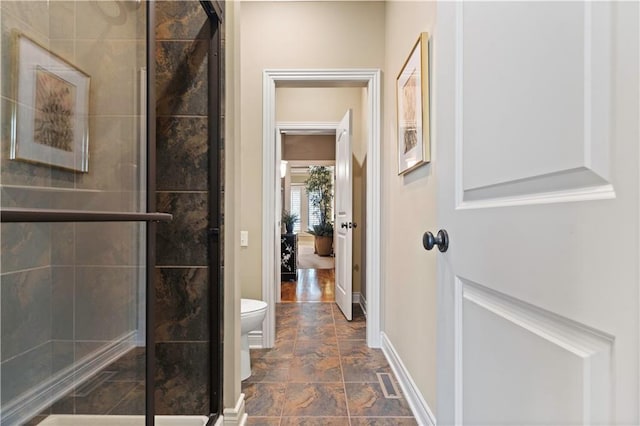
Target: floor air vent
{"x": 389, "y": 387}
{"x": 90, "y": 385}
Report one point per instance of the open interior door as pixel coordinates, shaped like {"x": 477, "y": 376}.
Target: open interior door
{"x": 537, "y": 167}
{"x": 344, "y": 216}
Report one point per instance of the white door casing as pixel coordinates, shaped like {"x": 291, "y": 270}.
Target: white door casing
{"x": 536, "y": 118}
{"x": 343, "y": 224}
{"x": 278, "y": 208}
{"x": 371, "y": 79}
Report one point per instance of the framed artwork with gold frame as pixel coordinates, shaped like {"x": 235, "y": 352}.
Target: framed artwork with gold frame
{"x": 412, "y": 106}
{"x": 50, "y": 123}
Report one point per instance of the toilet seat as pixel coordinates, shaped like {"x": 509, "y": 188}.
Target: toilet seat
{"x": 248, "y": 306}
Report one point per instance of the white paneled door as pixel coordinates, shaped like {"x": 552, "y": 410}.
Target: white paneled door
{"x": 536, "y": 126}
{"x": 344, "y": 216}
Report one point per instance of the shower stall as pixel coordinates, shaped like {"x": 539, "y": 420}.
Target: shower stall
{"x": 101, "y": 320}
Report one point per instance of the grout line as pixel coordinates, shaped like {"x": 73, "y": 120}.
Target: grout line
{"x": 21, "y": 271}
{"x": 344, "y": 385}
{"x": 298, "y": 314}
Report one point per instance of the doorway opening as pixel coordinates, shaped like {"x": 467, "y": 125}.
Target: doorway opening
{"x": 306, "y": 274}
{"x": 369, "y": 79}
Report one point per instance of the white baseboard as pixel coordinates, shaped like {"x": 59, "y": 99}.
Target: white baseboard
{"x": 31, "y": 403}
{"x": 417, "y": 403}
{"x": 363, "y": 304}
{"x": 235, "y": 416}
{"x": 255, "y": 339}
{"x": 355, "y": 297}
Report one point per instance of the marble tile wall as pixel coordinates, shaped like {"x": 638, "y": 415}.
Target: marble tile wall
{"x": 182, "y": 273}
{"x": 66, "y": 290}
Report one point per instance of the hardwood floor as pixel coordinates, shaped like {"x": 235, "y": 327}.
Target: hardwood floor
{"x": 313, "y": 285}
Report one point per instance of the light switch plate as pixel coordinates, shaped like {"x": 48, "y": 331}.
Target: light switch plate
{"x": 244, "y": 238}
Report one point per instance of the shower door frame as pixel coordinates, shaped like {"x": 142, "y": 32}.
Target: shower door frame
{"x": 214, "y": 10}
{"x": 8, "y": 215}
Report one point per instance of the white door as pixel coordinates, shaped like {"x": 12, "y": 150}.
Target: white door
{"x": 344, "y": 215}
{"x": 536, "y": 118}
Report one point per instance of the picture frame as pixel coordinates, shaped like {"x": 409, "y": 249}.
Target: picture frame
{"x": 50, "y": 123}
{"x": 412, "y": 108}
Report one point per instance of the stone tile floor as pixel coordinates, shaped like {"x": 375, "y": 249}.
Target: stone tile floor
{"x": 321, "y": 372}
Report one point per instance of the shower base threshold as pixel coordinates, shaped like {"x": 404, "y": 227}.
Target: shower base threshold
{"x": 94, "y": 420}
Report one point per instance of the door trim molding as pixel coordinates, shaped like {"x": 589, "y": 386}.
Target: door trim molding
{"x": 371, "y": 79}
{"x": 421, "y": 410}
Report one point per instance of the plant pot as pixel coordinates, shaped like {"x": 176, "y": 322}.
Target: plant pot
{"x": 324, "y": 245}
{"x": 289, "y": 228}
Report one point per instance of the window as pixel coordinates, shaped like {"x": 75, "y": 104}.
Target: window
{"x": 296, "y": 204}
{"x": 314, "y": 212}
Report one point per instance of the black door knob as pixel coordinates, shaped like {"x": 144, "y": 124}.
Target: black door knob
{"x": 441, "y": 240}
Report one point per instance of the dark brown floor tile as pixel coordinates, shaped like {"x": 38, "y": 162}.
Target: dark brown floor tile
{"x": 264, "y": 399}
{"x": 284, "y": 334}
{"x": 257, "y": 353}
{"x": 288, "y": 321}
{"x": 263, "y": 421}
{"x": 282, "y": 349}
{"x": 351, "y": 331}
{"x": 65, "y": 405}
{"x": 320, "y": 348}
{"x": 129, "y": 367}
{"x": 359, "y": 348}
{"x": 313, "y": 369}
{"x": 363, "y": 369}
{"x": 316, "y": 308}
{"x": 310, "y": 320}
{"x": 367, "y": 399}
{"x": 356, "y": 313}
{"x": 288, "y": 308}
{"x": 319, "y": 309}
{"x": 318, "y": 332}
{"x": 340, "y": 320}
{"x": 383, "y": 421}
{"x": 104, "y": 398}
{"x": 132, "y": 404}
{"x": 315, "y": 399}
{"x": 315, "y": 421}
{"x": 273, "y": 370}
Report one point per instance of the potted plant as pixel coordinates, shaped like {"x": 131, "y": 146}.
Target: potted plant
{"x": 319, "y": 188}
{"x": 289, "y": 220}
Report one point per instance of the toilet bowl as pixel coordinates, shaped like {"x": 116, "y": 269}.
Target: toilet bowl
{"x": 252, "y": 314}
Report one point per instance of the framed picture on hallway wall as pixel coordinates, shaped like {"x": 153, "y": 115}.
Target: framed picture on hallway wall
{"x": 51, "y": 117}
{"x": 412, "y": 106}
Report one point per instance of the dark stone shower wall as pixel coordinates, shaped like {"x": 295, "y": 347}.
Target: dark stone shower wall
{"x": 182, "y": 272}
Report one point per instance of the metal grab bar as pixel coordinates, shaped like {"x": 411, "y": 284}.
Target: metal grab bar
{"x": 9, "y": 215}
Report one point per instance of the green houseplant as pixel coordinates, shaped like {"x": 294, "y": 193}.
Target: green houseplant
{"x": 319, "y": 188}
{"x": 289, "y": 220}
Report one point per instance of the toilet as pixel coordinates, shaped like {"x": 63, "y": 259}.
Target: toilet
{"x": 252, "y": 314}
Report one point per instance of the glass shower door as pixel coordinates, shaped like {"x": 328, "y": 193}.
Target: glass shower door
{"x": 72, "y": 167}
